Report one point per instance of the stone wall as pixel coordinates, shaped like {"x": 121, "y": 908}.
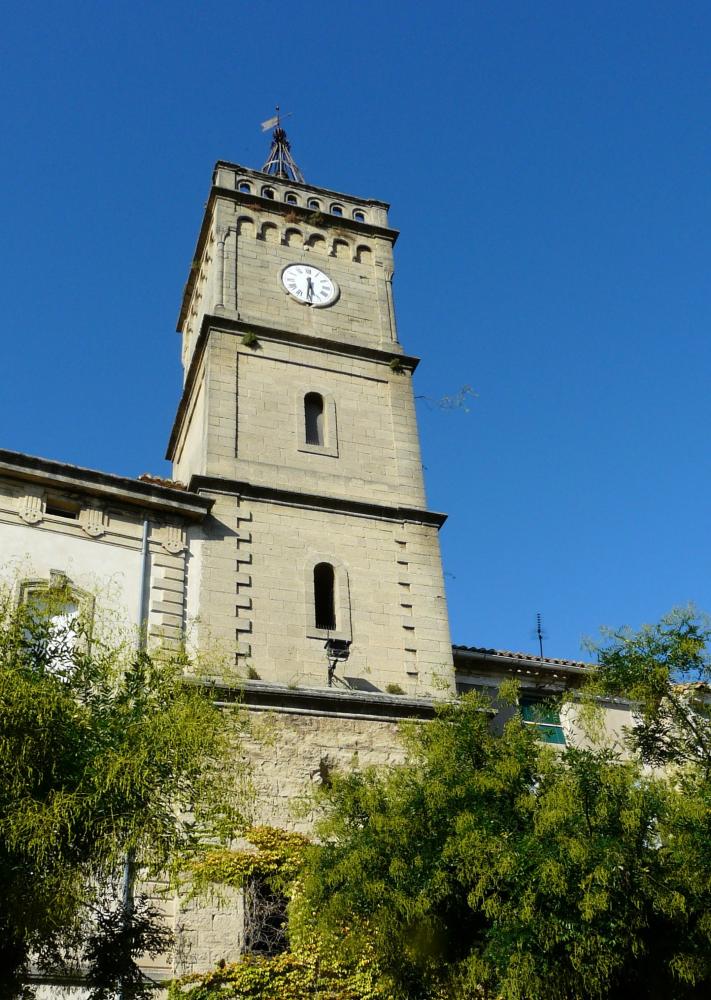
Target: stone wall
{"x": 290, "y": 754}
{"x": 248, "y": 418}
{"x": 250, "y": 576}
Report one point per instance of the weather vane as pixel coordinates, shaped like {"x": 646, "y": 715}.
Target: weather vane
{"x": 280, "y": 162}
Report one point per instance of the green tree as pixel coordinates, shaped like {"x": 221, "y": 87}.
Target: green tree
{"x": 106, "y": 754}
{"x": 665, "y": 669}
{"x": 494, "y": 866}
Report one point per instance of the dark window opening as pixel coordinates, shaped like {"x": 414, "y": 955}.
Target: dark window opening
{"x": 268, "y": 193}
{"x": 336, "y": 210}
{"x": 290, "y": 199}
{"x": 313, "y": 203}
{"x": 57, "y": 507}
{"x": 244, "y": 186}
{"x": 264, "y": 918}
{"x": 359, "y": 216}
{"x": 324, "y": 596}
{"x": 313, "y": 416}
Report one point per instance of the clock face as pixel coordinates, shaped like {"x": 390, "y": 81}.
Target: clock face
{"x": 309, "y": 285}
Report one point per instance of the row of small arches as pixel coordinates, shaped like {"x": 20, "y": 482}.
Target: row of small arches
{"x": 291, "y": 198}
{"x": 293, "y": 237}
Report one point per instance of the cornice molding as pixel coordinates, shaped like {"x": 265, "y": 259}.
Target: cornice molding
{"x": 316, "y": 501}
{"x": 335, "y": 702}
{"x": 30, "y": 468}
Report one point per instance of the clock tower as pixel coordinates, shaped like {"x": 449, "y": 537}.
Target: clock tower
{"x": 320, "y": 561}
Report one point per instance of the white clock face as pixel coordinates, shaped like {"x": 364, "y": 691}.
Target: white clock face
{"x": 309, "y": 285}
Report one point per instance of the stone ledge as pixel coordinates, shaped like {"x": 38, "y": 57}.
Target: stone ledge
{"x": 370, "y": 705}
{"x": 312, "y": 501}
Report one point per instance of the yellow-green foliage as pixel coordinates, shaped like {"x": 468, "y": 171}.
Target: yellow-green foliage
{"x": 293, "y": 975}
{"x": 278, "y": 858}
{"x": 313, "y": 967}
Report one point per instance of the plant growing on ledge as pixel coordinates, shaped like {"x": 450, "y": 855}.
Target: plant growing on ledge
{"x": 396, "y": 365}
{"x": 249, "y": 339}
{"x": 394, "y": 689}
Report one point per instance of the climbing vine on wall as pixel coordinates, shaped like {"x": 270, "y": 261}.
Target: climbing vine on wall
{"x": 309, "y": 966}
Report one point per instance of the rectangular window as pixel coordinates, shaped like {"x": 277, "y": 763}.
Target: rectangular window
{"x": 60, "y": 507}
{"x": 544, "y": 714}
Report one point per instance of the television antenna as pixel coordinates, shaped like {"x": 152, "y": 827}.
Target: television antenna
{"x": 539, "y": 632}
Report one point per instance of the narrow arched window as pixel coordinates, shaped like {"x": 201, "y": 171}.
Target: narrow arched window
{"x": 291, "y": 199}
{"x": 336, "y": 210}
{"x": 244, "y": 186}
{"x": 324, "y": 596}
{"x": 313, "y": 417}
{"x": 268, "y": 193}
{"x": 314, "y": 203}
{"x": 359, "y": 216}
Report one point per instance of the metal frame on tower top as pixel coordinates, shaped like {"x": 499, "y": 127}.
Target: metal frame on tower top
{"x": 280, "y": 162}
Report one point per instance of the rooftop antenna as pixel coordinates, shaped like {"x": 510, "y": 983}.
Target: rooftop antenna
{"x": 280, "y": 162}
{"x": 540, "y": 633}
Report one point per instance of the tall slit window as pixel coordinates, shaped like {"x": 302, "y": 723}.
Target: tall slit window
{"x": 313, "y": 416}
{"x": 324, "y": 596}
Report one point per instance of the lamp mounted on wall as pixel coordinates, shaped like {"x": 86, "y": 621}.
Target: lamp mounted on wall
{"x": 336, "y": 650}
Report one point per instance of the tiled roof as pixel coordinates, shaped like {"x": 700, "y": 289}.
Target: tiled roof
{"x": 527, "y": 657}
{"x": 173, "y": 484}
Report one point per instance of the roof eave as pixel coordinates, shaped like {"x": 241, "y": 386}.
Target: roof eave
{"x": 134, "y": 492}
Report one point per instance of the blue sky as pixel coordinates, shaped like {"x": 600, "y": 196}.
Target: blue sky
{"x": 548, "y": 165}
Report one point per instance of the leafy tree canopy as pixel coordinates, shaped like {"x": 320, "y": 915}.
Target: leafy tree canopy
{"x": 105, "y": 754}
{"x": 665, "y": 669}
{"x": 492, "y": 866}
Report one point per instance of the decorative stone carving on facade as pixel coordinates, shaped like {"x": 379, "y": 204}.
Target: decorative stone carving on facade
{"x": 172, "y": 538}
{"x": 31, "y": 508}
{"x": 93, "y": 521}
{"x": 58, "y": 580}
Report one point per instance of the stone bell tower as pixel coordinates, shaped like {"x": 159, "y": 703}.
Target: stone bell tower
{"x": 297, "y": 418}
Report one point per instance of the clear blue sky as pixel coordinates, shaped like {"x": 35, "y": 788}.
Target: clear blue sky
{"x": 549, "y": 167}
